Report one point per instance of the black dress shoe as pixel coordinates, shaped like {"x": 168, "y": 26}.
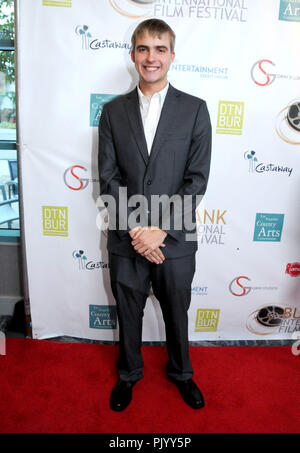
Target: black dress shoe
{"x": 121, "y": 395}
{"x": 190, "y": 393}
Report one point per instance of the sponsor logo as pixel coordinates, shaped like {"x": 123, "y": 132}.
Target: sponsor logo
{"x": 237, "y": 288}
{"x": 288, "y": 123}
{"x": 88, "y": 42}
{"x": 268, "y": 227}
{"x": 64, "y": 3}
{"x": 73, "y": 181}
{"x": 134, "y": 9}
{"x": 55, "y": 220}
{"x": 199, "y": 290}
{"x": 230, "y": 117}
{"x": 211, "y": 226}
{"x": 289, "y": 10}
{"x": 84, "y": 264}
{"x": 261, "y": 167}
{"x": 293, "y": 269}
{"x": 207, "y": 320}
{"x": 263, "y": 78}
{"x": 97, "y": 102}
{"x": 103, "y": 316}
{"x": 221, "y": 10}
{"x": 205, "y": 72}
{"x": 270, "y": 319}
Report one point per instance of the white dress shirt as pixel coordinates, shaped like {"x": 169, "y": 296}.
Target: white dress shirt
{"x": 150, "y": 112}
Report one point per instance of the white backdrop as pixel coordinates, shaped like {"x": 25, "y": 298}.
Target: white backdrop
{"x": 242, "y": 57}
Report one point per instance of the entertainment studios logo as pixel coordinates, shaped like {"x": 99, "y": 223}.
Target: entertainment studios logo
{"x": 85, "y": 264}
{"x": 221, "y": 10}
{"x": 262, "y": 73}
{"x": 89, "y": 42}
{"x": 254, "y": 166}
{"x": 238, "y": 287}
{"x": 288, "y": 123}
{"x": 205, "y": 72}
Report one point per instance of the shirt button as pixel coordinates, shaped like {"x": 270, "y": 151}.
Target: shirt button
{"x": 149, "y": 182}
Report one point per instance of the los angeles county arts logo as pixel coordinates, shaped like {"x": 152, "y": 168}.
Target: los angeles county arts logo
{"x": 88, "y": 42}
{"x": 274, "y": 319}
{"x": 73, "y": 181}
{"x": 261, "y": 75}
{"x": 288, "y": 123}
{"x": 289, "y": 10}
{"x": 84, "y": 264}
{"x": 103, "y": 316}
{"x": 238, "y": 287}
{"x": 261, "y": 167}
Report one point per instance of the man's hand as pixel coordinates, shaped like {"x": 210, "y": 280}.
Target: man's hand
{"x": 147, "y": 242}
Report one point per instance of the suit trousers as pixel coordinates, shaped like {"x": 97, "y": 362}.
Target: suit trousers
{"x": 131, "y": 279}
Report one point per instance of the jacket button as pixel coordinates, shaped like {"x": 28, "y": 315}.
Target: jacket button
{"x": 149, "y": 182}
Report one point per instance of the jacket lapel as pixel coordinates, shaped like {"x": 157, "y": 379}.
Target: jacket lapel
{"x": 135, "y": 119}
{"x": 167, "y": 116}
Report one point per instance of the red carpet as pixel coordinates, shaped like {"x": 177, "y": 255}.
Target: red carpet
{"x": 52, "y": 387}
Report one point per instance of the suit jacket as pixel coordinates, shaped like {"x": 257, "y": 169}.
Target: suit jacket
{"x": 178, "y": 164}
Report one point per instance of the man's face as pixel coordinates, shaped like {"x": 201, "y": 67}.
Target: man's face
{"x": 152, "y": 58}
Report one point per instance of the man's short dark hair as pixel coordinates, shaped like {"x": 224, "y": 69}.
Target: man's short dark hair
{"x": 155, "y": 27}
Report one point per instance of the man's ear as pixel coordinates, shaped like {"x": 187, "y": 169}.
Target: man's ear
{"x": 173, "y": 56}
{"x": 132, "y": 56}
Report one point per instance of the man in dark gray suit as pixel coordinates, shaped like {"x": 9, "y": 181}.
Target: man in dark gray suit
{"x": 154, "y": 141}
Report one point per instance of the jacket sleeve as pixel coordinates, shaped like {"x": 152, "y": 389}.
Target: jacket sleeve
{"x": 196, "y": 170}
{"x": 110, "y": 178}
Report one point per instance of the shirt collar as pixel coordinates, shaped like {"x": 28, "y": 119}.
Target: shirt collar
{"x": 161, "y": 94}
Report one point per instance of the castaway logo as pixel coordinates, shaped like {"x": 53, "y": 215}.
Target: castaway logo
{"x": 55, "y": 220}
{"x": 205, "y": 72}
{"x": 85, "y": 264}
{"x": 97, "y": 102}
{"x": 273, "y": 319}
{"x": 230, "y": 117}
{"x": 221, "y": 10}
{"x": 134, "y": 9}
{"x": 199, "y": 290}
{"x": 63, "y": 3}
{"x": 207, "y": 320}
{"x": 289, "y": 10}
{"x": 238, "y": 287}
{"x": 89, "y": 42}
{"x": 261, "y": 167}
{"x": 288, "y": 123}
{"x": 74, "y": 181}
{"x": 103, "y": 316}
{"x": 261, "y": 75}
{"x": 211, "y": 226}
{"x": 293, "y": 269}
{"x": 268, "y": 227}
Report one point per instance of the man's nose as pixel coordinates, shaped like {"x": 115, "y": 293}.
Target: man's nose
{"x": 151, "y": 55}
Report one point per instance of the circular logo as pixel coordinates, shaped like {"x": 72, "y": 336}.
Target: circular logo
{"x": 260, "y": 76}
{"x": 293, "y": 116}
{"x": 288, "y": 123}
{"x": 270, "y": 316}
{"x": 135, "y": 9}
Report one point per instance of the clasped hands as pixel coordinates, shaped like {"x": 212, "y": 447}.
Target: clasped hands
{"x": 147, "y": 242}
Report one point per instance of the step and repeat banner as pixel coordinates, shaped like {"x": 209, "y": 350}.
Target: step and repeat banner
{"x": 242, "y": 57}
